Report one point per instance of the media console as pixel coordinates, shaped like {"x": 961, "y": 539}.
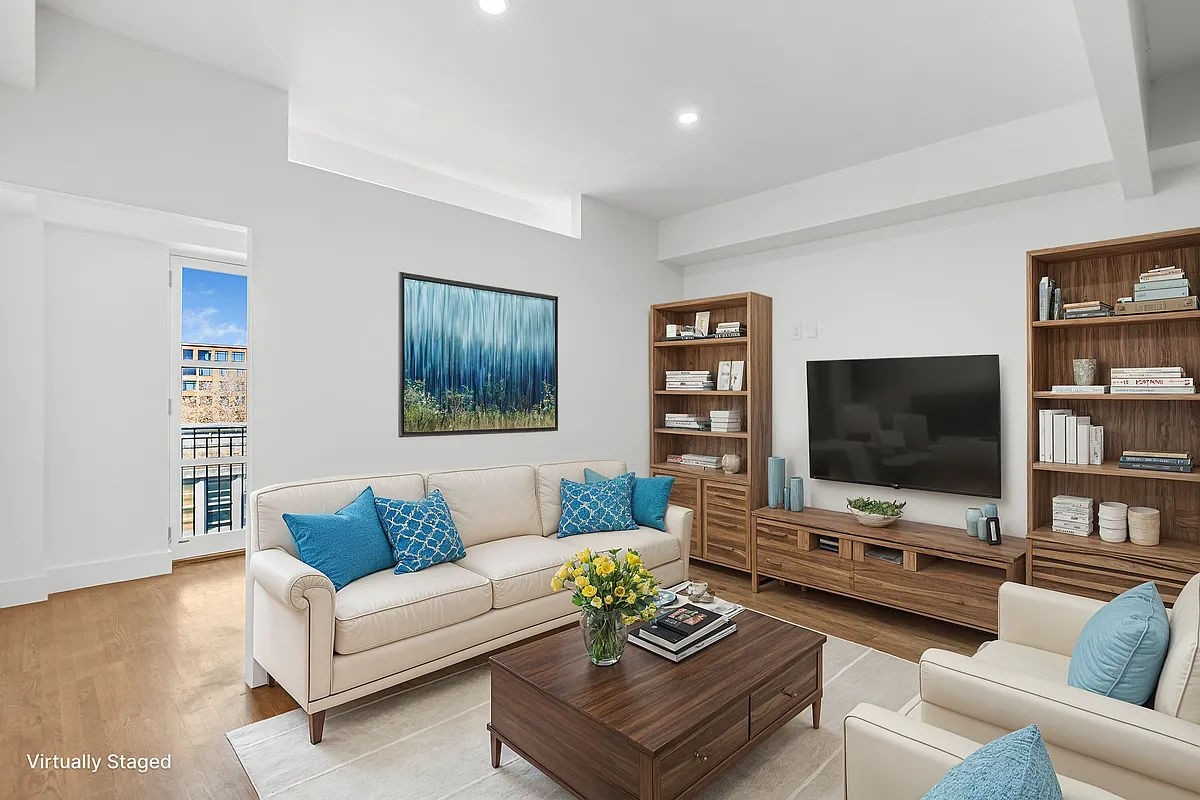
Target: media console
{"x": 938, "y": 572}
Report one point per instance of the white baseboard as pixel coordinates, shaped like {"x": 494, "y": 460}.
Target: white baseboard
{"x": 95, "y": 573}
{"x": 19, "y": 591}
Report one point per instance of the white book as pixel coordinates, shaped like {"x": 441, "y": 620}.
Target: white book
{"x": 1060, "y": 529}
{"x": 1060, "y": 439}
{"x": 1046, "y": 432}
{"x": 1083, "y": 446}
{"x": 737, "y": 376}
{"x": 1071, "y": 456}
{"x": 723, "y": 370}
{"x": 1096, "y": 457}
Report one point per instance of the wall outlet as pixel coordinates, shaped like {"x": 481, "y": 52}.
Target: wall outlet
{"x": 797, "y": 330}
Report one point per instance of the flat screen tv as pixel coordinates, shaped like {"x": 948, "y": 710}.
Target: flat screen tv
{"x": 930, "y": 423}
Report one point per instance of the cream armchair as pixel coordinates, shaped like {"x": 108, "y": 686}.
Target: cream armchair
{"x": 892, "y": 756}
{"x": 1021, "y": 678}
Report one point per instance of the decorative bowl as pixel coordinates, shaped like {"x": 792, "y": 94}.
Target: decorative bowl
{"x": 873, "y": 520}
{"x": 665, "y": 598}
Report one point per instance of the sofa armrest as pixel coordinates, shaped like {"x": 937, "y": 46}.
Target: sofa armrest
{"x": 679, "y": 525}
{"x": 1134, "y": 738}
{"x": 1043, "y": 619}
{"x": 286, "y": 578}
{"x": 892, "y": 756}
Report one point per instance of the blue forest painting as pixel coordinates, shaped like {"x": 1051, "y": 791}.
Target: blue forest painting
{"x": 476, "y": 358}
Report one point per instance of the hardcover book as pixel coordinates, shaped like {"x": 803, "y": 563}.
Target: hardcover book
{"x": 1160, "y": 294}
{"x": 640, "y": 639}
{"x": 1156, "y": 306}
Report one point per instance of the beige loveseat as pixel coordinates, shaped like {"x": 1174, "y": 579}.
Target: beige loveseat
{"x": 1132, "y": 751}
{"x": 327, "y": 648}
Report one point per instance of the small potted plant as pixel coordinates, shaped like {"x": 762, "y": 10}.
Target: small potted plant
{"x": 875, "y": 513}
{"x": 613, "y": 591}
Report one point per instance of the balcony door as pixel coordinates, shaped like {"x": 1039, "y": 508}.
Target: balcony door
{"x": 209, "y": 406}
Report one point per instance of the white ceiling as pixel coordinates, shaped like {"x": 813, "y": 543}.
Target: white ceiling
{"x": 570, "y": 97}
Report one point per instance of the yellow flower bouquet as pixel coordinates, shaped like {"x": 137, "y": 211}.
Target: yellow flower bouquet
{"x": 613, "y": 590}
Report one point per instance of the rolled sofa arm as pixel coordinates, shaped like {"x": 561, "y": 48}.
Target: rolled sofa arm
{"x": 679, "y": 525}
{"x": 889, "y": 755}
{"x": 1043, "y": 619}
{"x": 287, "y": 578}
{"x": 1137, "y": 739}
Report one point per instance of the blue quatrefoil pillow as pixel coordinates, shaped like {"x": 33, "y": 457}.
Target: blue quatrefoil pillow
{"x": 595, "y": 507}
{"x": 421, "y": 532}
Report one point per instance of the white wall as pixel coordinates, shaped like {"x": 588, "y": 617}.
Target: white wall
{"x": 117, "y": 120}
{"x": 950, "y": 285}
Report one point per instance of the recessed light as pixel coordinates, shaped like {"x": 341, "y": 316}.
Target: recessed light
{"x": 688, "y": 119}
{"x": 493, "y": 6}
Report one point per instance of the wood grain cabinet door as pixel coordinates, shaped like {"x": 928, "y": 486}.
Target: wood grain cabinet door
{"x": 685, "y": 492}
{"x": 726, "y": 513}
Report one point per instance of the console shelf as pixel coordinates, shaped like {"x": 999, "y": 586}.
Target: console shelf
{"x": 943, "y": 573}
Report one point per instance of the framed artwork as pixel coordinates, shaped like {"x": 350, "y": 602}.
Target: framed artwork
{"x": 476, "y": 359}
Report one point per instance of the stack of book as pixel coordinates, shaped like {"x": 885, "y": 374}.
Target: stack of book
{"x": 691, "y": 422}
{"x": 829, "y": 544}
{"x": 1067, "y": 438}
{"x": 1156, "y": 460}
{"x": 682, "y": 632}
{"x": 1090, "y": 308}
{"x": 696, "y": 460}
{"x": 1072, "y": 515}
{"x": 1160, "y": 289}
{"x": 725, "y": 421}
{"x": 1049, "y": 299}
{"x": 1150, "y": 380}
{"x": 730, "y": 330}
{"x": 690, "y": 380}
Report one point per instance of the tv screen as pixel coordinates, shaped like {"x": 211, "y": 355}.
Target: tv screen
{"x": 929, "y": 423}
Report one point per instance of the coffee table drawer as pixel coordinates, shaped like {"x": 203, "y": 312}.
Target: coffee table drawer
{"x": 781, "y": 694}
{"x": 701, "y": 752}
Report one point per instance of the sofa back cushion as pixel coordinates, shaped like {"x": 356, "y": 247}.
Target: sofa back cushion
{"x": 1178, "y": 692}
{"x": 489, "y": 504}
{"x": 549, "y": 488}
{"x": 321, "y": 496}
{"x": 1121, "y": 649}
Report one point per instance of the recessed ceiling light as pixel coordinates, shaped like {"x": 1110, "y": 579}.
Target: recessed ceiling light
{"x": 688, "y": 119}
{"x": 493, "y": 6}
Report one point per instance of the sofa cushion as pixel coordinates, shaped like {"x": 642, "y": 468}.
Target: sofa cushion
{"x": 489, "y": 504}
{"x": 549, "y": 477}
{"x": 654, "y": 548}
{"x": 421, "y": 532}
{"x": 345, "y": 545}
{"x": 651, "y": 496}
{"x": 384, "y": 607}
{"x": 596, "y": 507}
{"x": 1013, "y": 767}
{"x": 1121, "y": 649}
{"x": 1028, "y": 660}
{"x": 520, "y": 567}
{"x": 323, "y": 496}
{"x": 1178, "y": 691}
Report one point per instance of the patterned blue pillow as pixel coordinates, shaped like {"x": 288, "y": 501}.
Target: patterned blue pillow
{"x": 1013, "y": 767}
{"x": 596, "y": 507}
{"x": 651, "y": 496}
{"x": 421, "y": 532}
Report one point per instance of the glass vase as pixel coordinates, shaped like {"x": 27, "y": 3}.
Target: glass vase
{"x": 604, "y": 636}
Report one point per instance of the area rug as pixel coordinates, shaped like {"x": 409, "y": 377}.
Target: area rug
{"x": 429, "y": 743}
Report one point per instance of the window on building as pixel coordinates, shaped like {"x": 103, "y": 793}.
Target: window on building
{"x": 204, "y": 355}
{"x": 187, "y": 353}
{"x": 189, "y": 370}
{"x": 189, "y": 386}
{"x": 239, "y": 356}
{"x": 207, "y": 371}
{"x": 222, "y": 355}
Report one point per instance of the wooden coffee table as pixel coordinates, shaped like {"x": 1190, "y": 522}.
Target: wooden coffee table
{"x": 647, "y": 727}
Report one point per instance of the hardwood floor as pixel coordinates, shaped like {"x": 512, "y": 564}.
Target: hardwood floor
{"x": 154, "y": 667}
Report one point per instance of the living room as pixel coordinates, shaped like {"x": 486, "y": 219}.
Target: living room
{"x": 843, "y": 184}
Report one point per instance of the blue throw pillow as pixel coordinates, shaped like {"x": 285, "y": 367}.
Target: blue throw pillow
{"x": 345, "y": 545}
{"x": 1121, "y": 649}
{"x": 651, "y": 496}
{"x": 594, "y": 507}
{"x": 422, "y": 532}
{"x": 1013, "y": 767}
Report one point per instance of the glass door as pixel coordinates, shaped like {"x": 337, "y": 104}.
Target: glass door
{"x": 209, "y": 406}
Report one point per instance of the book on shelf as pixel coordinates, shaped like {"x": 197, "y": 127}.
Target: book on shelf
{"x": 1130, "y": 306}
{"x": 1086, "y": 304}
{"x": 1152, "y": 390}
{"x": 689, "y": 373}
{"x": 1096, "y": 456}
{"x": 1063, "y": 388}
{"x": 1153, "y": 467}
{"x": 1140, "y": 295}
{"x": 1083, "y": 440}
{"x": 639, "y": 639}
{"x": 1152, "y": 381}
{"x": 1071, "y": 514}
{"x": 1056, "y": 311}
{"x": 1054, "y": 526}
{"x": 723, "y": 371}
{"x": 1087, "y": 313}
{"x": 1046, "y": 288}
{"x": 1060, "y": 437}
{"x": 1162, "y": 282}
{"x": 1071, "y": 445}
{"x": 1145, "y": 372}
{"x": 1046, "y": 432}
{"x": 1156, "y": 454}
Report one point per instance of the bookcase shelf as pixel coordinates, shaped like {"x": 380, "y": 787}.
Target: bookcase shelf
{"x": 721, "y": 530}
{"x": 1106, "y": 271}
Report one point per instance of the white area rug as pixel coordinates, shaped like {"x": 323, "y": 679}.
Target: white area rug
{"x": 429, "y": 743}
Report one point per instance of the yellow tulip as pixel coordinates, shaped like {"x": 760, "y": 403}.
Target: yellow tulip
{"x": 628, "y": 620}
{"x": 619, "y": 591}
{"x": 608, "y": 600}
{"x": 597, "y": 602}
{"x": 581, "y": 581}
{"x": 556, "y": 583}
{"x": 606, "y": 567}
{"x": 585, "y": 556}
{"x": 589, "y": 591}
{"x": 631, "y": 600}
{"x": 633, "y": 559}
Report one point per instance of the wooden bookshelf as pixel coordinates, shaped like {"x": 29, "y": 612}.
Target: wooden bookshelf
{"x": 722, "y": 503}
{"x": 1105, "y": 271}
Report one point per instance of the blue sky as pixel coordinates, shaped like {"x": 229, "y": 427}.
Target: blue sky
{"x": 214, "y": 307}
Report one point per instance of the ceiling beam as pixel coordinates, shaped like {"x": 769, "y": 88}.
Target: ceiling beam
{"x": 1114, "y": 36}
{"x": 17, "y": 44}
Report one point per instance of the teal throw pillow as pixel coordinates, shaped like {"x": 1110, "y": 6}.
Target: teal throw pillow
{"x": 595, "y": 507}
{"x": 1013, "y": 767}
{"x": 651, "y": 496}
{"x": 345, "y": 545}
{"x": 421, "y": 532}
{"x": 1121, "y": 649}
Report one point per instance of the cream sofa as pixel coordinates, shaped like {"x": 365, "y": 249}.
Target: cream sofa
{"x": 1132, "y": 751}
{"x": 327, "y": 648}
{"x": 892, "y": 756}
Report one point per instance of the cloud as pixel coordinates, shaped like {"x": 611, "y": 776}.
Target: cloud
{"x": 202, "y": 325}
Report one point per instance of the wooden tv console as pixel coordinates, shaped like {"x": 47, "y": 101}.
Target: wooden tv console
{"x": 943, "y": 573}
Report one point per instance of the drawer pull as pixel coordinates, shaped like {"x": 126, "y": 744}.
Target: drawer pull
{"x": 789, "y": 694}
{"x": 700, "y": 756}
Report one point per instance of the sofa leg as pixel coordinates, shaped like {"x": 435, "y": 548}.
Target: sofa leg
{"x": 316, "y": 727}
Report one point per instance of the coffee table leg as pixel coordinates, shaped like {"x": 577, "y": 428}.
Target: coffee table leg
{"x": 495, "y": 751}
